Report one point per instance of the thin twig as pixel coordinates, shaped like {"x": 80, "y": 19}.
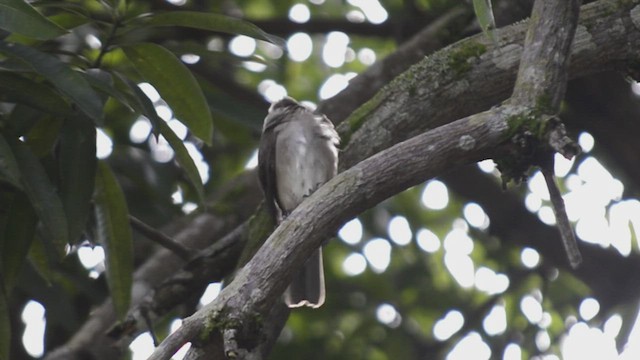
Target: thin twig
{"x": 562, "y": 221}
{"x": 161, "y": 239}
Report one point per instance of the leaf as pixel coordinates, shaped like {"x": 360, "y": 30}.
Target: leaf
{"x": 5, "y": 324}
{"x": 77, "y": 163}
{"x": 184, "y": 159}
{"x": 114, "y": 233}
{"x": 103, "y": 81}
{"x": 21, "y": 90}
{"x": 484, "y": 14}
{"x": 16, "y": 237}
{"x": 213, "y": 22}
{"x": 176, "y": 85}
{"x": 22, "y": 119}
{"x": 39, "y": 260}
{"x": 20, "y": 17}
{"x": 41, "y": 193}
{"x": 66, "y": 80}
{"x": 42, "y": 137}
{"x": 146, "y": 107}
{"x": 9, "y": 170}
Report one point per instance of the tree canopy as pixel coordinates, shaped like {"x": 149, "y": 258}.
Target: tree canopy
{"x": 129, "y": 201}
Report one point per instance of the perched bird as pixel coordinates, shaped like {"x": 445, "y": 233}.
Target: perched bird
{"x": 298, "y": 153}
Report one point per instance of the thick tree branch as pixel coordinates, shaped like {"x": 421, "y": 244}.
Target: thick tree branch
{"x": 545, "y": 59}
{"x": 541, "y": 85}
{"x": 604, "y": 46}
{"x": 259, "y": 284}
{"x": 474, "y": 74}
{"x": 194, "y": 232}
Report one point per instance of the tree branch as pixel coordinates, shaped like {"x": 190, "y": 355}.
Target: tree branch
{"x": 257, "y": 286}
{"x": 160, "y": 238}
{"x": 192, "y": 231}
{"x": 474, "y": 74}
{"x": 541, "y": 85}
{"x": 603, "y": 47}
{"x": 547, "y": 49}
{"x": 260, "y": 282}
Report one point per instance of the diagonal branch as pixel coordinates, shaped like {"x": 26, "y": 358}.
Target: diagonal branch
{"x": 543, "y": 71}
{"x": 599, "y": 46}
{"x": 259, "y": 284}
{"x": 541, "y": 85}
{"x": 475, "y": 74}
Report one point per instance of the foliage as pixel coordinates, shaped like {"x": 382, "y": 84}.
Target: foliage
{"x": 74, "y": 79}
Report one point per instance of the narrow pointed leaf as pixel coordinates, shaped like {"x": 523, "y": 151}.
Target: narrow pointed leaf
{"x": 114, "y": 233}
{"x": 17, "y": 236}
{"x": 43, "y": 135}
{"x": 42, "y": 194}
{"x": 9, "y": 170}
{"x": 103, "y": 82}
{"x": 176, "y": 85}
{"x": 184, "y": 159}
{"x": 67, "y": 81}
{"x": 19, "y": 17}
{"x": 484, "y": 14}
{"x": 77, "y": 161}
{"x": 213, "y": 22}
{"x": 39, "y": 260}
{"x": 147, "y": 108}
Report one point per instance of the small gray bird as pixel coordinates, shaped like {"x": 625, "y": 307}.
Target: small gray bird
{"x": 298, "y": 153}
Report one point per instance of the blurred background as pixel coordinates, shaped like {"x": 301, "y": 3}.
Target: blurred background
{"x": 455, "y": 268}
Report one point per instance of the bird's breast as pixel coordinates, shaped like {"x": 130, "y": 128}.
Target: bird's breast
{"x": 304, "y": 161}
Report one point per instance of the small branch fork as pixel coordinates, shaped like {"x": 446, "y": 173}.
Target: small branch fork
{"x": 238, "y": 313}
{"x": 541, "y": 85}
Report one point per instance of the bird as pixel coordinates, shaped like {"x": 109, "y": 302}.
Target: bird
{"x": 298, "y": 153}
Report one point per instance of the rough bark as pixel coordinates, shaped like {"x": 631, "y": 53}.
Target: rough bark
{"x": 258, "y": 284}
{"x": 610, "y": 41}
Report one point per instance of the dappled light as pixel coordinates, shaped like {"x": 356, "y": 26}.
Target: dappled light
{"x": 33, "y": 316}
{"x": 435, "y": 195}
{"x": 351, "y": 232}
{"x": 448, "y": 325}
{"x": 378, "y": 254}
{"x": 299, "y": 46}
{"x": 299, "y": 13}
{"x": 354, "y": 264}
{"x": 243, "y": 46}
{"x": 458, "y": 258}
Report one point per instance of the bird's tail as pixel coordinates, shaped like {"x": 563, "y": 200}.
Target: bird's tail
{"x": 307, "y": 287}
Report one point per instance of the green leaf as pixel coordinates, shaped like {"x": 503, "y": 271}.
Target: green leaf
{"x": 42, "y": 137}
{"x": 145, "y": 106}
{"x": 184, "y": 159}
{"x": 77, "y": 162}
{"x": 9, "y": 170}
{"x": 66, "y": 80}
{"x": 114, "y": 233}
{"x": 103, "y": 82}
{"x": 5, "y": 324}
{"x": 22, "y": 119}
{"x": 19, "y": 17}
{"x": 213, "y": 22}
{"x": 176, "y": 85}
{"x": 41, "y": 193}
{"x": 484, "y": 14}
{"x": 16, "y": 237}
{"x": 17, "y": 89}
{"x": 39, "y": 260}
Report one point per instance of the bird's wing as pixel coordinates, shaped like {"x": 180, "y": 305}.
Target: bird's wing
{"x": 267, "y": 171}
